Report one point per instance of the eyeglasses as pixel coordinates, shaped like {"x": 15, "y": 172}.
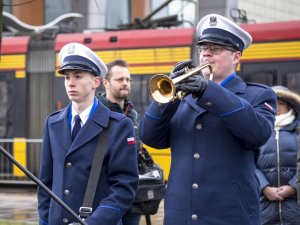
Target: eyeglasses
{"x": 215, "y": 49}
{"x": 121, "y": 79}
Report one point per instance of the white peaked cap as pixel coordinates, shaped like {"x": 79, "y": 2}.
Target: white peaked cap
{"x": 214, "y": 28}
{"x": 76, "y": 56}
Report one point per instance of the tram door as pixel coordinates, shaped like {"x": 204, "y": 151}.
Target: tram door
{"x": 40, "y": 78}
{"x": 273, "y": 73}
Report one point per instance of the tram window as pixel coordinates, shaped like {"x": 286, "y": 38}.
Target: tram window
{"x": 293, "y": 81}
{"x": 3, "y": 107}
{"x": 267, "y": 78}
{"x": 140, "y": 93}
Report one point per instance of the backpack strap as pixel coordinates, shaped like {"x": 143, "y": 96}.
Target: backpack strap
{"x": 86, "y": 209}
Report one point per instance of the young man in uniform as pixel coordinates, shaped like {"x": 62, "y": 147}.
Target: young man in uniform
{"x": 69, "y": 143}
{"x": 214, "y": 133}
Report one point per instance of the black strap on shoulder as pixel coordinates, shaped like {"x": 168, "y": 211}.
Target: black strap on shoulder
{"x": 86, "y": 209}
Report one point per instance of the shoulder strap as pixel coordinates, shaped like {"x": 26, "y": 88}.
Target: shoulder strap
{"x": 90, "y": 191}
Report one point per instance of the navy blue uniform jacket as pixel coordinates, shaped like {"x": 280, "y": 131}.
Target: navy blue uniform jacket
{"x": 65, "y": 167}
{"x": 213, "y": 141}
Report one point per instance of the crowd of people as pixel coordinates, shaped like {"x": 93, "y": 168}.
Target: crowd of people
{"x": 233, "y": 144}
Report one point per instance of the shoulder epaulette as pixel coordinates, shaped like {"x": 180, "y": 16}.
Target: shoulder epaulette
{"x": 117, "y": 116}
{"x": 257, "y": 85}
{"x": 56, "y": 112}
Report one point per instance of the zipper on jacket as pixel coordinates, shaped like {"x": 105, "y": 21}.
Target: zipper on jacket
{"x": 278, "y": 173}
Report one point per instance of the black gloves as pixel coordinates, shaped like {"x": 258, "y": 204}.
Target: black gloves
{"x": 179, "y": 68}
{"x": 195, "y": 85}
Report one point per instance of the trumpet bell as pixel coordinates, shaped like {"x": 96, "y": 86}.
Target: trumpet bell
{"x": 161, "y": 88}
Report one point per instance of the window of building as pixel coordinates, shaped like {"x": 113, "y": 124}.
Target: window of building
{"x": 56, "y": 8}
{"x": 185, "y": 10}
{"x": 117, "y": 15}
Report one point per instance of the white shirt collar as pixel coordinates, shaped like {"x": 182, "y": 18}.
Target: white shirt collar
{"x": 84, "y": 115}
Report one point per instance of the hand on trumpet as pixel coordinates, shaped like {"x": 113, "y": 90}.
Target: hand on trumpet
{"x": 180, "y": 68}
{"x": 179, "y": 83}
{"x": 196, "y": 85}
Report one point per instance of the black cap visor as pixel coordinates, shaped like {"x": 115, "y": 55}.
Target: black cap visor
{"x": 74, "y": 67}
{"x": 217, "y": 41}
{"x": 214, "y": 41}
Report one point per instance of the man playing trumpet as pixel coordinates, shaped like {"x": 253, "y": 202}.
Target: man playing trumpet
{"x": 214, "y": 133}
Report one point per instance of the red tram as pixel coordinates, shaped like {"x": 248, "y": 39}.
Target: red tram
{"x": 30, "y": 87}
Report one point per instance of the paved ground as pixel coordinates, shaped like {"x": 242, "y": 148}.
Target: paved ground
{"x": 18, "y": 207}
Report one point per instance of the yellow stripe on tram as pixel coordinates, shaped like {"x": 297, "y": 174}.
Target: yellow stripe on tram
{"x": 19, "y": 153}
{"x": 20, "y": 74}
{"x": 154, "y": 60}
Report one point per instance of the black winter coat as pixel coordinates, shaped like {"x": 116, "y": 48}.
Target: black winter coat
{"x": 269, "y": 166}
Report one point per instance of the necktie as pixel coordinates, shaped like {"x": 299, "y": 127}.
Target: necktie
{"x": 76, "y": 127}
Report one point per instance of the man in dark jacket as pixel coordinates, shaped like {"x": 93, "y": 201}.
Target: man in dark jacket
{"x": 213, "y": 133}
{"x": 117, "y": 83}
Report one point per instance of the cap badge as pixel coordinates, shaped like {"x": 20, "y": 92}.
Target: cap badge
{"x": 71, "y": 49}
{"x": 213, "y": 21}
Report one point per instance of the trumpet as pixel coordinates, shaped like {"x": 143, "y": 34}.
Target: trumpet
{"x": 163, "y": 90}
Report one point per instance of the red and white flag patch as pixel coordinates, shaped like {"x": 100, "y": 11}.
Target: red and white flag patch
{"x": 269, "y": 106}
{"x": 130, "y": 141}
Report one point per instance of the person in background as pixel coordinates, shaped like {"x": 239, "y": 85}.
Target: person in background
{"x": 298, "y": 173}
{"x": 69, "y": 143}
{"x": 214, "y": 133}
{"x": 276, "y": 164}
{"x": 117, "y": 83}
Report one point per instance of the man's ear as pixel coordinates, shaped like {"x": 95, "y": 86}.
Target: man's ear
{"x": 105, "y": 83}
{"x": 237, "y": 57}
{"x": 97, "y": 81}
